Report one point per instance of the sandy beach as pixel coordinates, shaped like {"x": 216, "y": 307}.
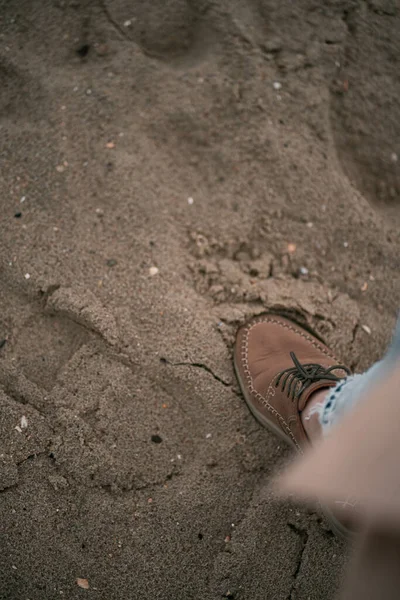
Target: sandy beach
{"x": 170, "y": 168}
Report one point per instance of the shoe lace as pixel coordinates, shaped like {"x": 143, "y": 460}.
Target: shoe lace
{"x": 300, "y": 377}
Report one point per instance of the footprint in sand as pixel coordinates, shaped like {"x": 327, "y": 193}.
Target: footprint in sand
{"x": 162, "y": 29}
{"x": 52, "y": 332}
{"x": 184, "y": 33}
{"x": 365, "y": 113}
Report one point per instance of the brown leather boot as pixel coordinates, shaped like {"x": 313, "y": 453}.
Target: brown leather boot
{"x": 279, "y": 365}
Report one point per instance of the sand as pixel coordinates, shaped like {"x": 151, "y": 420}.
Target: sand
{"x": 168, "y": 169}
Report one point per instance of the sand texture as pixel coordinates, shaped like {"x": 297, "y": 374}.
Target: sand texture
{"x": 170, "y": 168}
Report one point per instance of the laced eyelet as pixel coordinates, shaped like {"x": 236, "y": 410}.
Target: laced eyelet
{"x": 300, "y": 377}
